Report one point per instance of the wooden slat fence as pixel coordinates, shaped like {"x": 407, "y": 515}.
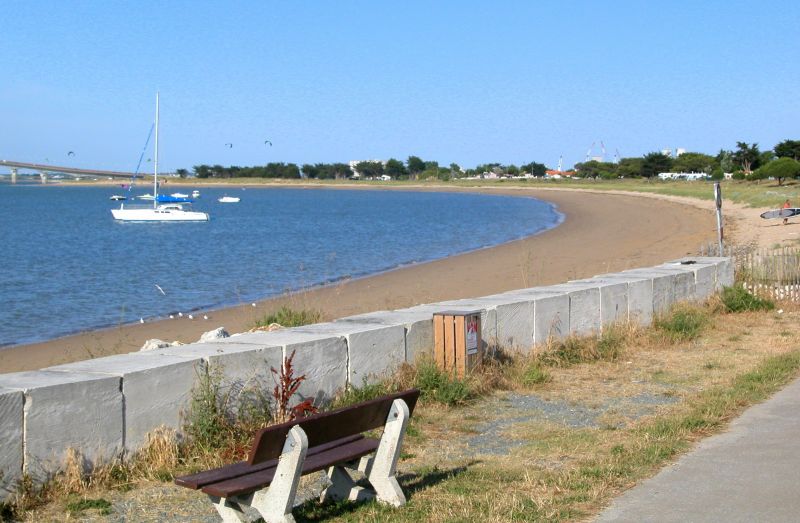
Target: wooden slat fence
{"x": 770, "y": 273}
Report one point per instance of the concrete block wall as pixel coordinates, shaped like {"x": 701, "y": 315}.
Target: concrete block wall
{"x": 105, "y": 407}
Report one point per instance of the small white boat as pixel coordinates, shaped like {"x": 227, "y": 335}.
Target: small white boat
{"x": 179, "y": 195}
{"x": 229, "y": 199}
{"x": 195, "y": 194}
{"x": 160, "y": 212}
{"x": 118, "y": 198}
{"x": 149, "y": 197}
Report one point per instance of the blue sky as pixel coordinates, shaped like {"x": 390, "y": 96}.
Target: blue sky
{"x": 466, "y": 82}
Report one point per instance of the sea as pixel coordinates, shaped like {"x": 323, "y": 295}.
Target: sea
{"x": 68, "y": 267}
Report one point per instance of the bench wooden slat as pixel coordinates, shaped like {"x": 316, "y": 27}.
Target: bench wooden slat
{"x": 313, "y": 463}
{"x": 201, "y": 479}
{"x": 333, "y": 425}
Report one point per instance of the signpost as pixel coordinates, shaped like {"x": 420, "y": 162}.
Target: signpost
{"x": 718, "y": 201}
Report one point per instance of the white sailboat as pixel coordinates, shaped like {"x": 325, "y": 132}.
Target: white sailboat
{"x": 165, "y": 212}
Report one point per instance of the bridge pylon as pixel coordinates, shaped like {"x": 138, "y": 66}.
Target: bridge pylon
{"x": 43, "y": 176}
{"x": 13, "y": 175}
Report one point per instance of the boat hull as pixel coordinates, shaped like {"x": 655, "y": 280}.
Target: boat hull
{"x": 158, "y": 215}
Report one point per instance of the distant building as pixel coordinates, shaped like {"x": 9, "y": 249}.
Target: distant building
{"x": 554, "y": 173}
{"x": 683, "y": 176}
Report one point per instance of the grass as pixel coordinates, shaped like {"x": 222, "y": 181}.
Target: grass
{"x": 288, "y": 317}
{"x": 738, "y": 299}
{"x": 101, "y": 505}
{"x": 684, "y": 322}
{"x": 557, "y": 472}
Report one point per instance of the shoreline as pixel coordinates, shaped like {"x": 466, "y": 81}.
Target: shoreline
{"x": 599, "y": 233}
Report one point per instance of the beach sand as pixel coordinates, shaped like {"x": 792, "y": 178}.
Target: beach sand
{"x": 602, "y": 232}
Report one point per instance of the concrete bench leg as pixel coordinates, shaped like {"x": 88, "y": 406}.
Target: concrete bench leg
{"x": 229, "y": 510}
{"x": 380, "y": 471}
{"x": 275, "y": 502}
{"x": 343, "y": 487}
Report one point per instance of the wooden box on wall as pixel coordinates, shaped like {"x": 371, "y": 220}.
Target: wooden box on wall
{"x": 457, "y": 344}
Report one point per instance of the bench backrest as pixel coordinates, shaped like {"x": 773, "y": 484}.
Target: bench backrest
{"x": 329, "y": 426}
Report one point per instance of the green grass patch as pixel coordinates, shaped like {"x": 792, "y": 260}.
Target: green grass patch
{"x": 534, "y": 374}
{"x": 288, "y": 317}
{"x": 101, "y": 505}
{"x": 738, "y": 299}
{"x": 440, "y": 386}
{"x": 683, "y": 323}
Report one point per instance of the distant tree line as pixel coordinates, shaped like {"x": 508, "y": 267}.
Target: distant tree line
{"x": 746, "y": 161}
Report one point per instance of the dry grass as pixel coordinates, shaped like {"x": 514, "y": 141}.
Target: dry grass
{"x": 631, "y": 402}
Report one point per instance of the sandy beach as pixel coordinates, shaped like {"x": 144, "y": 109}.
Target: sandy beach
{"x": 602, "y": 232}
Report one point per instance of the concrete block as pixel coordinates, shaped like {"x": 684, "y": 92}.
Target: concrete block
{"x": 66, "y": 410}
{"x": 487, "y": 310}
{"x": 321, "y": 357}
{"x": 243, "y": 367}
{"x": 613, "y": 299}
{"x": 725, "y": 269}
{"x": 373, "y": 350}
{"x": 418, "y": 329}
{"x": 11, "y": 433}
{"x": 663, "y": 287}
{"x": 639, "y": 293}
{"x": 683, "y": 287}
{"x": 551, "y": 312}
{"x": 513, "y": 316}
{"x": 705, "y": 275}
{"x": 156, "y": 389}
{"x": 584, "y": 307}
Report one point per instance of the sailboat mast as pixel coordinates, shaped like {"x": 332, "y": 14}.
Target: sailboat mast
{"x": 155, "y": 164}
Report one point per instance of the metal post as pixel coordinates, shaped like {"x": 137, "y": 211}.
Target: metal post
{"x": 718, "y": 200}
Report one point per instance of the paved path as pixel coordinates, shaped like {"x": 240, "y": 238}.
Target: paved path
{"x": 749, "y": 473}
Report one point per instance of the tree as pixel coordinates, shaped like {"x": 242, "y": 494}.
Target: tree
{"x": 725, "y": 160}
{"x": 655, "y": 163}
{"x": 693, "y": 163}
{"x": 592, "y": 169}
{"x": 535, "y": 168}
{"x": 512, "y": 170}
{"x": 779, "y": 169}
{"x": 369, "y": 169}
{"x": 629, "y": 167}
{"x": 415, "y": 166}
{"x": 312, "y": 171}
{"x": 747, "y": 156}
{"x": 202, "y": 171}
{"x": 455, "y": 169}
{"x": 788, "y": 149}
{"x": 395, "y": 168}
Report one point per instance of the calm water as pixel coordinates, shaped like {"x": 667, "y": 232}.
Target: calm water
{"x": 68, "y": 266}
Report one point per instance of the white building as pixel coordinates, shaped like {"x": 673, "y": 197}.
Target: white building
{"x": 683, "y": 176}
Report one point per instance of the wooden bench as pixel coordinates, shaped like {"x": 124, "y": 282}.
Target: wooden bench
{"x": 280, "y": 454}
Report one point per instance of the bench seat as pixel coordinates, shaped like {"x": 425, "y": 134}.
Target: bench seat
{"x": 313, "y": 463}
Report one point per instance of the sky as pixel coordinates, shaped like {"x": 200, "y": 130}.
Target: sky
{"x": 332, "y": 81}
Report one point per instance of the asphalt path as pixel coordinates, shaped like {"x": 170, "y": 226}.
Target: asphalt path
{"x": 749, "y": 473}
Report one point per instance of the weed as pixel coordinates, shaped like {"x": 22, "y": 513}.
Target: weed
{"x": 288, "y": 317}
{"x": 208, "y": 419}
{"x": 102, "y": 505}
{"x": 352, "y": 395}
{"x": 286, "y": 385}
{"x": 534, "y": 374}
{"x": 440, "y": 386}
{"x": 566, "y": 352}
{"x": 684, "y": 323}
{"x": 611, "y": 342}
{"x": 738, "y": 299}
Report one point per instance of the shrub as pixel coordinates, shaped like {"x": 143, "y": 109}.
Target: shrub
{"x": 367, "y": 391}
{"x": 566, "y": 352}
{"x": 439, "y": 386}
{"x": 288, "y": 317}
{"x": 611, "y": 342}
{"x": 683, "y": 323}
{"x": 534, "y": 374}
{"x": 738, "y": 299}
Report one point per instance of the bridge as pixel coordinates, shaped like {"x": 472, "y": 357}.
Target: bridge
{"x": 44, "y": 169}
